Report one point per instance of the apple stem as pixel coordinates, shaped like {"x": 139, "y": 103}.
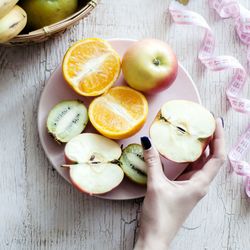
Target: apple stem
{"x": 156, "y": 62}
{"x": 92, "y": 163}
{"x": 115, "y": 162}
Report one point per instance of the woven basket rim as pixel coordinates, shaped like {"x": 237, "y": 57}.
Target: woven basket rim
{"x": 63, "y": 24}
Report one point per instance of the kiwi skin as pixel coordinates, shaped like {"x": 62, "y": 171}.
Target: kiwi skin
{"x": 54, "y": 138}
{"x": 134, "y": 175}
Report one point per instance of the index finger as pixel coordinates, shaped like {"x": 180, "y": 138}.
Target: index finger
{"x": 154, "y": 166}
{"x": 152, "y": 159}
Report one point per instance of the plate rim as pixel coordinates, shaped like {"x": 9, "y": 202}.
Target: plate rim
{"x": 41, "y": 97}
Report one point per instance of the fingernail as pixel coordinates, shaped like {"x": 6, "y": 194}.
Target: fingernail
{"x": 145, "y": 142}
{"x": 222, "y": 121}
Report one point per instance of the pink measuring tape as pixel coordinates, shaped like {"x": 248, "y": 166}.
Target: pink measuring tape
{"x": 241, "y": 16}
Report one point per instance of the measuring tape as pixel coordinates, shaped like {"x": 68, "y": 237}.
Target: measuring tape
{"x": 241, "y": 16}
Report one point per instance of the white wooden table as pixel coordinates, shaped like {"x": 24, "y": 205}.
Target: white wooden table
{"x": 39, "y": 210}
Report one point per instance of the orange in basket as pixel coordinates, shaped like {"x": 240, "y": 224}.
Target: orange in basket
{"x": 91, "y": 66}
{"x": 119, "y": 113}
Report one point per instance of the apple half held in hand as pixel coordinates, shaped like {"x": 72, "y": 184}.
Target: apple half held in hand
{"x": 97, "y": 170}
{"x": 149, "y": 65}
{"x": 182, "y": 130}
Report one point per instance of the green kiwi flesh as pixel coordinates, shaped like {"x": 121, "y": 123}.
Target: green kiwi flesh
{"x": 133, "y": 164}
{"x": 66, "y": 120}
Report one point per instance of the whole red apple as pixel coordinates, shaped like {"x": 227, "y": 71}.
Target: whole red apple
{"x": 149, "y": 65}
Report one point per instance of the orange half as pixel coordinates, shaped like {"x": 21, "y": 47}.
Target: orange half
{"x": 91, "y": 66}
{"x": 119, "y": 113}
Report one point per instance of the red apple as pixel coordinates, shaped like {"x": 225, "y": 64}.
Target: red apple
{"x": 181, "y": 132}
{"x": 96, "y": 170}
{"x": 150, "y": 66}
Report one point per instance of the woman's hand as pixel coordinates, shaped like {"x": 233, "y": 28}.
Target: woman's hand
{"x": 167, "y": 203}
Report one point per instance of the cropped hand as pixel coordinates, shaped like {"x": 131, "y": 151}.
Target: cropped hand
{"x": 167, "y": 203}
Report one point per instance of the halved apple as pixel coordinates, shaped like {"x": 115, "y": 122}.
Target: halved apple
{"x": 182, "y": 130}
{"x": 97, "y": 169}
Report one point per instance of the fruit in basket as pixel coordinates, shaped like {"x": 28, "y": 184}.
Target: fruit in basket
{"x": 97, "y": 169}
{"x": 91, "y": 66}
{"x": 42, "y": 13}
{"x": 12, "y": 23}
{"x": 182, "y": 130}
{"x": 119, "y": 113}
{"x": 66, "y": 120}
{"x": 184, "y": 2}
{"x": 6, "y": 6}
{"x": 133, "y": 164}
{"x": 150, "y": 66}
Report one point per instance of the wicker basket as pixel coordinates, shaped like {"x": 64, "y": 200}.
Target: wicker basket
{"x": 45, "y": 33}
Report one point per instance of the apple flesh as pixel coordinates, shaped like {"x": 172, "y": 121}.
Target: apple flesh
{"x": 181, "y": 131}
{"x": 149, "y": 66}
{"x": 97, "y": 169}
{"x": 97, "y": 178}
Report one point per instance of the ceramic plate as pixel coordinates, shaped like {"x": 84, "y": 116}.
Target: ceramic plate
{"x": 56, "y": 90}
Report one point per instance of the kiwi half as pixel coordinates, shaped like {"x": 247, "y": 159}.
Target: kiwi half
{"x": 67, "y": 119}
{"x": 133, "y": 164}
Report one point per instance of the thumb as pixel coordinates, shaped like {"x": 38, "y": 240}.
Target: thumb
{"x": 152, "y": 159}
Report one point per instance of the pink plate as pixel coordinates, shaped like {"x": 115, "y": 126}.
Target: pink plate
{"x": 57, "y": 90}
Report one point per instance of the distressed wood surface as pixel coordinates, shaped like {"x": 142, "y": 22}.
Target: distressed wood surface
{"x": 39, "y": 210}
